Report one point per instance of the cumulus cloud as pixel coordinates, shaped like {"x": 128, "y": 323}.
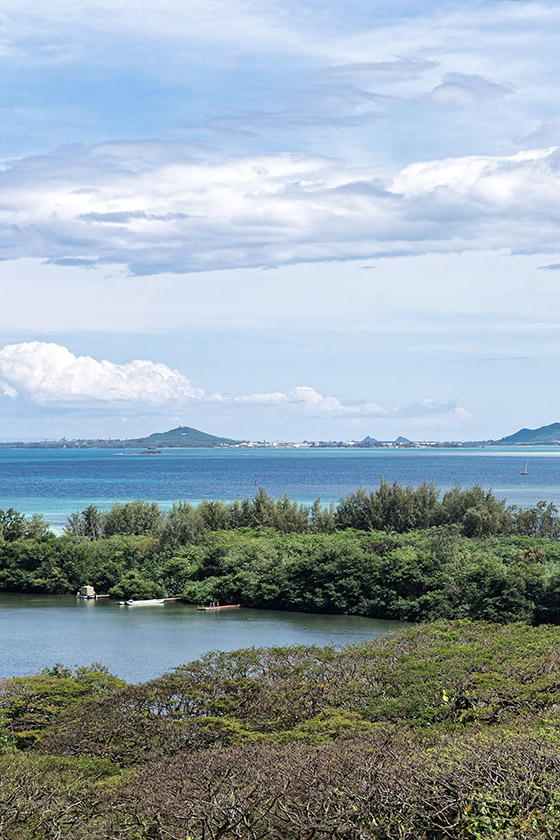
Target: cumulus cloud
{"x": 490, "y": 180}
{"x": 431, "y": 408}
{"x": 360, "y": 88}
{"x": 50, "y": 375}
{"x": 328, "y": 406}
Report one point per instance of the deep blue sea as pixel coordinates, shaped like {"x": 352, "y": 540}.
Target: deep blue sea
{"x": 58, "y": 481}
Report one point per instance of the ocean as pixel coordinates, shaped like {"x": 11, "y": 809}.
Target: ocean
{"x": 56, "y": 482}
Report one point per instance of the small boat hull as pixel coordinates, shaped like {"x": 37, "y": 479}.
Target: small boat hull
{"x": 151, "y": 602}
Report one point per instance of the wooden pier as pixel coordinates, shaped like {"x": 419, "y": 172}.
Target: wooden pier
{"x": 224, "y": 607}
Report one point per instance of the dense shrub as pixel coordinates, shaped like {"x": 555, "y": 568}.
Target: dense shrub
{"x": 445, "y": 673}
{"x": 391, "y": 507}
{"x": 29, "y": 705}
{"x": 395, "y": 552}
{"x": 448, "y": 731}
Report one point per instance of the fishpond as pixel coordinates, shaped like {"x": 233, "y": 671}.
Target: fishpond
{"x": 141, "y": 643}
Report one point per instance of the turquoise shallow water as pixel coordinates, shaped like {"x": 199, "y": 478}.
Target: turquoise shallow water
{"x": 140, "y": 643}
{"x": 57, "y": 482}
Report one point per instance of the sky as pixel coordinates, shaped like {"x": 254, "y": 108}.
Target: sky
{"x": 279, "y": 220}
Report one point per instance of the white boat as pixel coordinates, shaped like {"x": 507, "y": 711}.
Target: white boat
{"x": 146, "y": 603}
{"x": 524, "y": 472}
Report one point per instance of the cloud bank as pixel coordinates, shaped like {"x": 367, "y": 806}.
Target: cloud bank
{"x": 50, "y": 375}
{"x": 295, "y": 161}
{"x": 180, "y": 216}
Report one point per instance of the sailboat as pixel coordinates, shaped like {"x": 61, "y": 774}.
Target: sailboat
{"x": 524, "y": 472}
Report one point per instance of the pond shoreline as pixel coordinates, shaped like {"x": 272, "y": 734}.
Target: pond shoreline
{"x": 40, "y": 630}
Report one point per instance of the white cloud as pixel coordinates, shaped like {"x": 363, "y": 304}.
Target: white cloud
{"x": 494, "y": 180}
{"x": 178, "y": 215}
{"x": 368, "y": 73}
{"x": 49, "y": 374}
{"x": 327, "y": 406}
{"x": 360, "y": 88}
{"x": 312, "y": 401}
{"x": 400, "y": 126}
{"x": 432, "y": 408}
{"x": 8, "y": 391}
{"x": 67, "y": 31}
{"x": 463, "y": 90}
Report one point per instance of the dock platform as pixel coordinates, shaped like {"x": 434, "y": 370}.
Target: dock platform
{"x": 223, "y": 607}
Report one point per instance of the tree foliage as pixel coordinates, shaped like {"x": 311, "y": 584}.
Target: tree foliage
{"x": 29, "y": 705}
{"x": 395, "y": 552}
{"x": 15, "y": 526}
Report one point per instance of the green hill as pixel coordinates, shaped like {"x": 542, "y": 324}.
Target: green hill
{"x": 545, "y": 434}
{"x": 182, "y": 436}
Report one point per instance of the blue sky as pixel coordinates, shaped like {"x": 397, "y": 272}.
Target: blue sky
{"x": 279, "y": 220}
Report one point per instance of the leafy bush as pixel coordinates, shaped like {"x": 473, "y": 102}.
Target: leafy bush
{"x": 133, "y": 586}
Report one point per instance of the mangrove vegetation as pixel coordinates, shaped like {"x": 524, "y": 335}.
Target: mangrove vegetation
{"x": 397, "y": 552}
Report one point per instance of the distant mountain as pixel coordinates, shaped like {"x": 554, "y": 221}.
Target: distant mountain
{"x": 184, "y": 436}
{"x": 401, "y": 439}
{"x": 545, "y": 434}
{"x": 369, "y": 439}
{"x": 181, "y": 436}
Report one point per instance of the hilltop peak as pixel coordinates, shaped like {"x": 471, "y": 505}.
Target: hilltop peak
{"x": 184, "y": 436}
{"x": 544, "y": 434}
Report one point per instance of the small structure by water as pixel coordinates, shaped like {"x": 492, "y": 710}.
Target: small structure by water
{"x": 86, "y": 592}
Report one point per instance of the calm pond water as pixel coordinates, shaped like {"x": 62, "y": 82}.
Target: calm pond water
{"x": 139, "y": 643}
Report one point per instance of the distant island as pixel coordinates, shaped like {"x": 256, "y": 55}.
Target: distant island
{"x": 186, "y": 437}
{"x": 182, "y": 437}
{"x": 545, "y": 434}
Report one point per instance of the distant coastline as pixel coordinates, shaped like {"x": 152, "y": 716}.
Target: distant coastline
{"x": 102, "y": 443}
{"x": 186, "y": 437}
